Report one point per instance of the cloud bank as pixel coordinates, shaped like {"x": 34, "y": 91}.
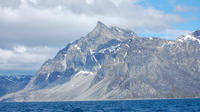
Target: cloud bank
{"x": 52, "y": 22}
{"x": 24, "y": 58}
{"x": 26, "y": 25}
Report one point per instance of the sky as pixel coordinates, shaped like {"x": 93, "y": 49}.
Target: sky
{"x": 32, "y": 31}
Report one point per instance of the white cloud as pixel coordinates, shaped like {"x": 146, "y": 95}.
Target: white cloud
{"x": 89, "y": 1}
{"x": 34, "y": 2}
{"x": 54, "y": 23}
{"x": 184, "y": 8}
{"x": 24, "y": 58}
{"x": 19, "y": 49}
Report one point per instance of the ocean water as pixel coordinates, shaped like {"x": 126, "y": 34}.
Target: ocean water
{"x": 170, "y": 105}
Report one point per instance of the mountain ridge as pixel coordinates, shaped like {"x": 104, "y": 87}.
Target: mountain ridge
{"x": 114, "y": 63}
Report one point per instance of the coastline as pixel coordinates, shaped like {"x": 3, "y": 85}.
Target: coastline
{"x": 105, "y": 100}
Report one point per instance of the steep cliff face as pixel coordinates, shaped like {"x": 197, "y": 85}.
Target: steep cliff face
{"x": 113, "y": 63}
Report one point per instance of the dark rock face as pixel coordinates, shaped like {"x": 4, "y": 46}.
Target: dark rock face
{"x": 113, "y": 63}
{"x": 10, "y": 84}
{"x": 197, "y": 34}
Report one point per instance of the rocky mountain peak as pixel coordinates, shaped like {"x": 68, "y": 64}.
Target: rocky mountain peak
{"x": 196, "y": 34}
{"x": 100, "y": 24}
{"x": 100, "y": 27}
{"x": 103, "y": 32}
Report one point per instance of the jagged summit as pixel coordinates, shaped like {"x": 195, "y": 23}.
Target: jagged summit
{"x": 196, "y": 34}
{"x": 99, "y": 23}
{"x": 100, "y": 26}
{"x": 105, "y": 32}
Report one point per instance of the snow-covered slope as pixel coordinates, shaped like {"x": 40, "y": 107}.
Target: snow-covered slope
{"x": 195, "y": 36}
{"x": 114, "y": 63}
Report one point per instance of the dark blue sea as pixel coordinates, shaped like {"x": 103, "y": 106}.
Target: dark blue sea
{"x": 170, "y": 105}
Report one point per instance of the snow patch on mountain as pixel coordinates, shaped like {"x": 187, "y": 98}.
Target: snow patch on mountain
{"x": 188, "y": 37}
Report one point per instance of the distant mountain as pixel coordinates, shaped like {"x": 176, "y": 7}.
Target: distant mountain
{"x": 114, "y": 63}
{"x": 196, "y": 34}
{"x": 10, "y": 84}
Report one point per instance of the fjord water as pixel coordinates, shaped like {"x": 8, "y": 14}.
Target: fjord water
{"x": 170, "y": 105}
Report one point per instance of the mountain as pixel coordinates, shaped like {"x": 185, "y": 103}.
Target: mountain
{"x": 114, "y": 63}
{"x": 10, "y": 84}
{"x": 196, "y": 34}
